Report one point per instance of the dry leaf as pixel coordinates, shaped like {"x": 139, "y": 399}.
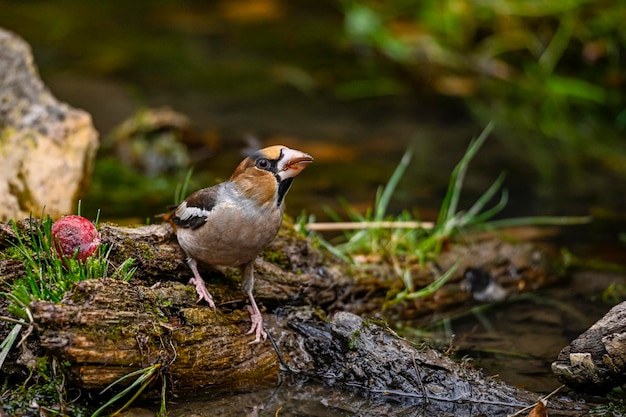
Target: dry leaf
{"x": 539, "y": 410}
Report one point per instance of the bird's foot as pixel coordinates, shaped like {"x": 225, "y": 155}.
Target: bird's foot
{"x": 257, "y": 326}
{"x": 203, "y": 293}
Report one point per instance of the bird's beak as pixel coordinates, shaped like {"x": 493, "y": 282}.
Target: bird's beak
{"x": 292, "y": 162}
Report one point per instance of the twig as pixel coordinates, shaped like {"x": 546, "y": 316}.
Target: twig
{"x": 278, "y": 353}
{"x": 540, "y": 400}
{"x": 11, "y": 320}
{"x": 419, "y": 378}
{"x": 370, "y": 225}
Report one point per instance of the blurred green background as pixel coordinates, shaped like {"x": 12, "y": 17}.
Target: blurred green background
{"x": 354, "y": 83}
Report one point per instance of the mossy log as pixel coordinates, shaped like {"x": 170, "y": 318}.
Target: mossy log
{"x": 105, "y": 328}
{"x": 595, "y": 362}
{"x": 291, "y": 271}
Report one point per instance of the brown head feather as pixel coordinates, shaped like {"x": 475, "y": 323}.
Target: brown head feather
{"x": 266, "y": 174}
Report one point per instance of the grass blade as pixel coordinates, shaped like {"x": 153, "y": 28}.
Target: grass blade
{"x": 382, "y": 203}
{"x": 430, "y": 288}
{"x": 486, "y": 197}
{"x": 8, "y": 342}
{"x": 123, "y": 378}
{"x": 181, "y": 189}
{"x": 334, "y": 250}
{"x": 453, "y": 194}
{"x": 147, "y": 375}
{"x": 481, "y": 218}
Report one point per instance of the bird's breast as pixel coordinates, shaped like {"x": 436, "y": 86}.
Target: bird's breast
{"x": 233, "y": 234}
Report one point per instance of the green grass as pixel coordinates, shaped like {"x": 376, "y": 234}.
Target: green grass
{"x": 401, "y": 245}
{"x": 145, "y": 377}
{"x": 7, "y": 343}
{"x": 47, "y": 277}
{"x": 416, "y": 243}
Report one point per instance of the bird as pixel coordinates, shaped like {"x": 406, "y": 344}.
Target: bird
{"x": 483, "y": 286}
{"x": 230, "y": 223}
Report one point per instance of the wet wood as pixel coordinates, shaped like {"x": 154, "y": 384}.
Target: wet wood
{"x": 106, "y": 328}
{"x": 368, "y": 357}
{"x": 595, "y": 362}
{"x": 292, "y": 271}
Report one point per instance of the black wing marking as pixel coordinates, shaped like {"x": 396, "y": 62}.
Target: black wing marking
{"x": 193, "y": 212}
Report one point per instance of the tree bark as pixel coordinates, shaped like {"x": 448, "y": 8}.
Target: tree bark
{"x": 595, "y": 362}
{"x": 105, "y": 328}
{"x": 292, "y": 271}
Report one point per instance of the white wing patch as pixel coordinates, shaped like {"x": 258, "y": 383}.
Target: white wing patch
{"x": 185, "y": 213}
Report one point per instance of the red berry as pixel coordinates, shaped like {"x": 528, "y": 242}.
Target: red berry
{"x": 75, "y": 235}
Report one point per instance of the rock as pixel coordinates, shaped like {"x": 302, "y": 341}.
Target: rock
{"x": 150, "y": 141}
{"x": 47, "y": 147}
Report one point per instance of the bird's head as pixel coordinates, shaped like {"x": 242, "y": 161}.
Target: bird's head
{"x": 267, "y": 174}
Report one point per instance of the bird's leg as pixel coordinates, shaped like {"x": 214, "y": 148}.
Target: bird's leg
{"x": 203, "y": 293}
{"x": 253, "y": 309}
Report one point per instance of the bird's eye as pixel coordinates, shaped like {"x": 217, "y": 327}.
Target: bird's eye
{"x": 262, "y": 163}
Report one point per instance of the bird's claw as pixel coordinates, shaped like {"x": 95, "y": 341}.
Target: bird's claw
{"x": 203, "y": 293}
{"x": 257, "y": 326}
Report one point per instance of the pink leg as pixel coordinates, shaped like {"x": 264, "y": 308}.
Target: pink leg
{"x": 255, "y": 315}
{"x": 203, "y": 293}
{"x": 257, "y": 322}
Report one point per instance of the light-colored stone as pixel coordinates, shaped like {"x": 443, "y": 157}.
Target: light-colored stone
{"x": 47, "y": 148}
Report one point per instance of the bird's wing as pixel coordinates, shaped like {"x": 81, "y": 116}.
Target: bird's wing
{"x": 193, "y": 212}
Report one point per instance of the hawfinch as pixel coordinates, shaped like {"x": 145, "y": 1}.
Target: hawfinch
{"x": 230, "y": 223}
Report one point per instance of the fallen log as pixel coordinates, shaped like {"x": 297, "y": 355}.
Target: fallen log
{"x": 595, "y": 362}
{"x": 105, "y": 329}
{"x": 108, "y": 328}
{"x": 369, "y": 358}
{"x": 292, "y": 271}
